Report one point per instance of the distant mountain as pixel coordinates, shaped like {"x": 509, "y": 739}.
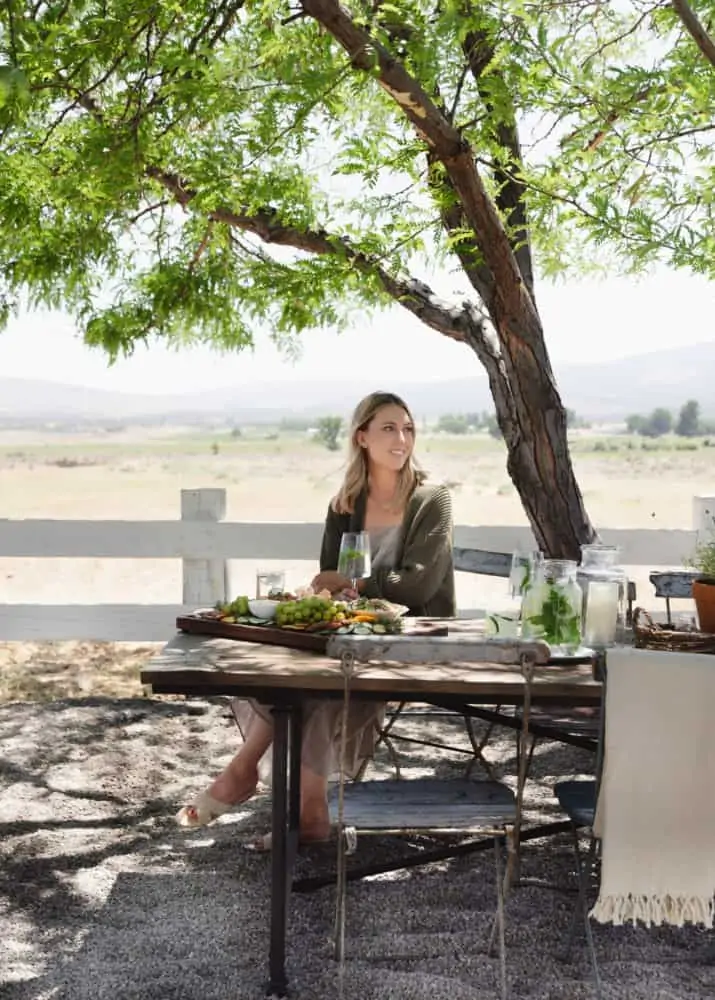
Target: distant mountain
{"x": 606, "y": 391}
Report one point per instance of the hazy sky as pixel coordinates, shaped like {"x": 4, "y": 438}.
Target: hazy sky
{"x": 592, "y": 320}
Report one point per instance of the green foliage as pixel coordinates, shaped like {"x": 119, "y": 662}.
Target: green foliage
{"x": 660, "y": 422}
{"x": 703, "y": 558}
{"x": 206, "y": 171}
{"x": 328, "y": 432}
{"x": 635, "y": 423}
{"x": 556, "y": 619}
{"x": 625, "y": 100}
{"x": 453, "y": 423}
{"x": 573, "y": 421}
{"x": 688, "y": 423}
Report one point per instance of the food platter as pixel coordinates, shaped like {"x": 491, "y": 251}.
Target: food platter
{"x": 269, "y": 634}
{"x": 304, "y": 623}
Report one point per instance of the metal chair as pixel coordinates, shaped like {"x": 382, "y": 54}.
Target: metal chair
{"x": 577, "y": 728}
{"x": 466, "y": 560}
{"x": 673, "y": 585}
{"x": 433, "y": 805}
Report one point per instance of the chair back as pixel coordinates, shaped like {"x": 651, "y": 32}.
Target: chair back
{"x": 482, "y": 562}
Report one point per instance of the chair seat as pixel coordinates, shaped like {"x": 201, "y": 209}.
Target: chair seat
{"x": 425, "y": 804}
{"x": 578, "y": 800}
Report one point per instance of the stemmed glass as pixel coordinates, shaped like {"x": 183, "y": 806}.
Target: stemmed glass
{"x": 354, "y": 558}
{"x": 524, "y": 566}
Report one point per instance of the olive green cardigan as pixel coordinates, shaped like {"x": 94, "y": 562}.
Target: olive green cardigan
{"x": 423, "y": 576}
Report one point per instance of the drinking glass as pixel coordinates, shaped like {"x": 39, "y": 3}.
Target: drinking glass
{"x": 354, "y": 558}
{"x": 269, "y": 582}
{"x": 523, "y": 571}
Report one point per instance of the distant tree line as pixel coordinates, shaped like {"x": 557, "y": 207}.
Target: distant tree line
{"x": 688, "y": 422}
{"x": 467, "y": 423}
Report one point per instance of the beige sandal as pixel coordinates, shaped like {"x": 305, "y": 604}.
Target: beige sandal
{"x": 264, "y": 843}
{"x": 205, "y": 809}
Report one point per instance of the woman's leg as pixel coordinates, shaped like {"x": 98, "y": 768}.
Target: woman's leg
{"x": 240, "y": 776}
{"x": 314, "y": 818}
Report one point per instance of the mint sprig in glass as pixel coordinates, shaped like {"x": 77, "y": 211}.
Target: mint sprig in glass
{"x": 354, "y": 557}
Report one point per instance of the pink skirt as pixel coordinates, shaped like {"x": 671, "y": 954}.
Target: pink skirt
{"x": 322, "y": 723}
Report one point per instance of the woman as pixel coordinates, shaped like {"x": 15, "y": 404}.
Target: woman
{"x": 410, "y": 528}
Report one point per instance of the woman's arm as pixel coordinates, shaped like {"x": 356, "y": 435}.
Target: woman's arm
{"x": 426, "y": 558}
{"x": 332, "y": 533}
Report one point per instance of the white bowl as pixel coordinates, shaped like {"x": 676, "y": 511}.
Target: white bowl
{"x": 263, "y": 608}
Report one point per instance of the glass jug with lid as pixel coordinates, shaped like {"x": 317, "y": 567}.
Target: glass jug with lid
{"x": 604, "y": 584}
{"x": 552, "y": 606}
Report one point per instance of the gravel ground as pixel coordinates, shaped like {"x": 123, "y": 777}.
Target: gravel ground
{"x": 101, "y": 896}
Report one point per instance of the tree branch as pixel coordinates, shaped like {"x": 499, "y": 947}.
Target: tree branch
{"x": 445, "y": 142}
{"x": 455, "y": 224}
{"x": 479, "y": 52}
{"x": 456, "y": 322}
{"x": 693, "y": 25}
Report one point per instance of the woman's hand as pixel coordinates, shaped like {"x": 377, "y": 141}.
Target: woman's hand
{"x": 333, "y": 581}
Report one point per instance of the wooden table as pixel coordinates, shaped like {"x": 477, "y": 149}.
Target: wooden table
{"x": 462, "y": 667}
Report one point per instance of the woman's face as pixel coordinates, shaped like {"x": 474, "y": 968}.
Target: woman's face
{"x": 389, "y": 438}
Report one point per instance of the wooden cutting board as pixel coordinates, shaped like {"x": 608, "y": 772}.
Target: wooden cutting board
{"x": 272, "y": 636}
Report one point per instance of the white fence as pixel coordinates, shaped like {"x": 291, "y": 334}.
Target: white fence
{"x": 204, "y": 542}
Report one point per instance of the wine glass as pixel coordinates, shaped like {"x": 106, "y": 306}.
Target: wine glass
{"x": 524, "y": 566}
{"x": 354, "y": 558}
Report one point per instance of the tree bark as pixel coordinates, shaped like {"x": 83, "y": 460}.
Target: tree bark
{"x": 532, "y": 420}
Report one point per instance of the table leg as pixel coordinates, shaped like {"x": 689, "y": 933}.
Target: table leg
{"x": 296, "y": 741}
{"x": 280, "y": 867}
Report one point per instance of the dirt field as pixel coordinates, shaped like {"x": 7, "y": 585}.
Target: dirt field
{"x": 269, "y": 475}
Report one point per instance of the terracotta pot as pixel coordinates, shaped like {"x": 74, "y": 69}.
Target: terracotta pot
{"x": 704, "y": 597}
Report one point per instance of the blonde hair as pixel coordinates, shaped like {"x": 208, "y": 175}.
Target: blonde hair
{"x": 355, "y": 480}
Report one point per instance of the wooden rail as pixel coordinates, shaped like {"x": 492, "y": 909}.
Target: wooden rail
{"x": 204, "y": 542}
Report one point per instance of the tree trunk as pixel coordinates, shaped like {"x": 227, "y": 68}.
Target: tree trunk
{"x": 532, "y": 419}
{"x": 529, "y": 409}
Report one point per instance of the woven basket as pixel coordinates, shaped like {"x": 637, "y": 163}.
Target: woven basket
{"x": 686, "y": 639}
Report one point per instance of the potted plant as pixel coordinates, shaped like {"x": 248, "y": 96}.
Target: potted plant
{"x": 703, "y": 561}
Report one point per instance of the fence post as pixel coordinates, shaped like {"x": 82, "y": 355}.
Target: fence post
{"x": 204, "y": 580}
{"x": 704, "y": 517}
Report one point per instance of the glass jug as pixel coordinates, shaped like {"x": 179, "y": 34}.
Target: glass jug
{"x": 552, "y": 608}
{"x": 604, "y": 584}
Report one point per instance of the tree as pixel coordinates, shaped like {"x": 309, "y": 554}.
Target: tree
{"x": 628, "y": 115}
{"x": 453, "y": 423}
{"x": 328, "y": 432}
{"x": 660, "y": 422}
{"x": 204, "y": 170}
{"x": 635, "y": 423}
{"x": 688, "y": 423}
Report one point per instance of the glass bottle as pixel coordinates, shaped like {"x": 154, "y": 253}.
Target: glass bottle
{"x": 604, "y": 584}
{"x": 552, "y": 607}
